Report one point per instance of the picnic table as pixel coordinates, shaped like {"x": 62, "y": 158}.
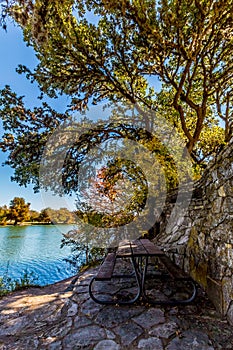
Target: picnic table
{"x": 139, "y": 252}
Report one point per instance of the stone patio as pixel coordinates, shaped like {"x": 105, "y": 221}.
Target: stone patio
{"x": 63, "y": 317}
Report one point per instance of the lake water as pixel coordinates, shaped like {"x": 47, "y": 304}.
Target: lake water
{"x": 35, "y": 249}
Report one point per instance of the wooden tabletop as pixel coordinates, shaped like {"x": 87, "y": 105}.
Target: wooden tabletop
{"x": 137, "y": 248}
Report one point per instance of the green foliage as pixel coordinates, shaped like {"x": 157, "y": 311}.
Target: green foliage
{"x": 56, "y": 216}
{"x": 34, "y": 215}
{"x": 44, "y": 216}
{"x": 187, "y": 45}
{"x": 27, "y": 132}
{"x": 81, "y": 249}
{"x": 3, "y": 215}
{"x": 211, "y": 138}
{"x": 28, "y": 279}
{"x": 19, "y": 210}
{"x": 7, "y": 284}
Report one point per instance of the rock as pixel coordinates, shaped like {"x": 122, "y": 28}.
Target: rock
{"x": 150, "y": 318}
{"x": 150, "y": 344}
{"x": 110, "y": 335}
{"x": 61, "y": 329}
{"x": 81, "y": 321}
{"x": 230, "y": 314}
{"x": 165, "y": 330}
{"x": 13, "y": 327}
{"x": 55, "y": 346}
{"x": 81, "y": 288}
{"x": 73, "y": 309}
{"x": 83, "y": 337}
{"x": 113, "y": 316}
{"x": 191, "y": 340}
{"x": 128, "y": 332}
{"x": 24, "y": 343}
{"x": 89, "y": 307}
{"x": 80, "y": 298}
{"x": 107, "y": 345}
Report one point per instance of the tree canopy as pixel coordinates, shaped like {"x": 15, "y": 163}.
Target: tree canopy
{"x": 187, "y": 45}
{"x": 19, "y": 210}
{"x": 105, "y": 51}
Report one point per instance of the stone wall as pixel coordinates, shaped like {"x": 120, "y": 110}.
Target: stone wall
{"x": 199, "y": 235}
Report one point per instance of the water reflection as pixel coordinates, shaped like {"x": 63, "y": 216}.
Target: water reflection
{"x": 11, "y": 243}
{"x": 36, "y": 249}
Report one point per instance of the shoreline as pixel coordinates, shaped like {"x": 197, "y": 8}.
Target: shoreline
{"x": 37, "y": 223}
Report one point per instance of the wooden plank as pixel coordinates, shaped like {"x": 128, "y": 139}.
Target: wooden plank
{"x": 151, "y": 248}
{"x": 175, "y": 271}
{"x": 137, "y": 248}
{"x": 124, "y": 249}
{"x": 106, "y": 268}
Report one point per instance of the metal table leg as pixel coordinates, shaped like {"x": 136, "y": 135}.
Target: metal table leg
{"x": 119, "y": 302}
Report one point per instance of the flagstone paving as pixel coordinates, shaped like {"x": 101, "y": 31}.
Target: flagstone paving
{"x": 63, "y": 317}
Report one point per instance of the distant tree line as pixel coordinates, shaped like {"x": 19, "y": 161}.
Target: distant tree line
{"x": 19, "y": 211}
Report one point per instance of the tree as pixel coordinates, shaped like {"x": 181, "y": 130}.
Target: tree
{"x": 44, "y": 216}
{"x": 3, "y": 215}
{"x": 60, "y": 216}
{"x": 186, "y": 44}
{"x": 34, "y": 215}
{"x": 115, "y": 196}
{"x": 19, "y": 210}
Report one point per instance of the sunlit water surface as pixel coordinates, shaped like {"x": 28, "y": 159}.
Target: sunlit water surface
{"x": 35, "y": 249}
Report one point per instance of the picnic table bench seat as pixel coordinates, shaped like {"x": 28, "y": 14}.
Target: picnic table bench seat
{"x": 174, "y": 270}
{"x": 106, "y": 268}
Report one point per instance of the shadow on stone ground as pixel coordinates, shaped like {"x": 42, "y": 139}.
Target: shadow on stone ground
{"x": 62, "y": 316}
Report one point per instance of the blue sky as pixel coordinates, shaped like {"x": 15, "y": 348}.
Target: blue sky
{"x": 13, "y": 52}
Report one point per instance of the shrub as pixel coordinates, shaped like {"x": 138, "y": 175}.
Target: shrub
{"x": 8, "y": 284}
